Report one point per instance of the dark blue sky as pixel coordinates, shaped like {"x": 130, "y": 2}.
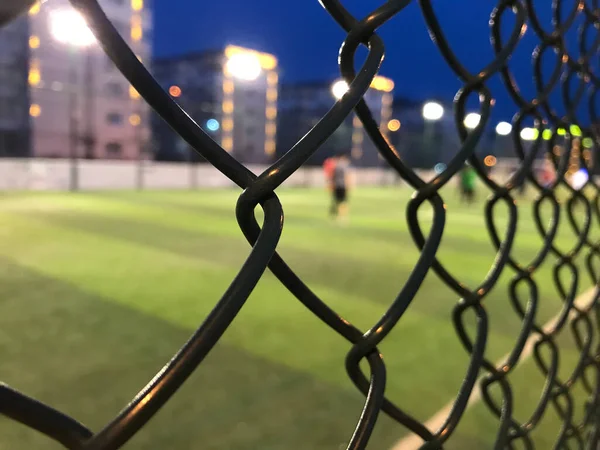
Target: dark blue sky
{"x": 306, "y": 40}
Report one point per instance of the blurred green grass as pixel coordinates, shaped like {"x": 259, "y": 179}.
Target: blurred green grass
{"x": 98, "y": 290}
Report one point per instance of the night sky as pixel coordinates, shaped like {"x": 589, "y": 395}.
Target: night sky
{"x": 306, "y": 41}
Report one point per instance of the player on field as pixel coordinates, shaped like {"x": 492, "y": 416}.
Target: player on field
{"x": 340, "y": 184}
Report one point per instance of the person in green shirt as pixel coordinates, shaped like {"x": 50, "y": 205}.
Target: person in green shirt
{"x": 468, "y": 178}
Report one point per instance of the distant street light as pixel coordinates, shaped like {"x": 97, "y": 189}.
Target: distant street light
{"x": 472, "y": 120}
{"x": 432, "y": 111}
{"x": 68, "y": 27}
{"x": 244, "y": 66}
{"x": 503, "y": 128}
{"x": 529, "y": 134}
{"x": 339, "y": 88}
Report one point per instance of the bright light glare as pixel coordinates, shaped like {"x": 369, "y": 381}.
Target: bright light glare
{"x": 244, "y": 66}
{"x": 432, "y": 111}
{"x": 339, "y": 88}
{"x": 503, "y": 128}
{"x": 472, "y": 120}
{"x": 529, "y": 134}
{"x": 212, "y": 124}
{"x": 69, "y": 27}
{"x": 579, "y": 179}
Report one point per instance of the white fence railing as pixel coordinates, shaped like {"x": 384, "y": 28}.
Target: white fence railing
{"x": 54, "y": 175}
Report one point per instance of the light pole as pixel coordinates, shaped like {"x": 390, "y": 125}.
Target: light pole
{"x": 503, "y": 129}
{"x": 68, "y": 27}
{"x": 432, "y": 113}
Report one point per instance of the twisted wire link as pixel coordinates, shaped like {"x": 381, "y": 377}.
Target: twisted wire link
{"x": 573, "y": 77}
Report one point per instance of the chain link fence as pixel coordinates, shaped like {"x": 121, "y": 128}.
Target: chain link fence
{"x": 574, "y": 77}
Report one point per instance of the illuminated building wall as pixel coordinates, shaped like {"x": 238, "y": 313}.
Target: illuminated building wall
{"x": 111, "y": 120}
{"x": 231, "y": 93}
{"x": 14, "y": 103}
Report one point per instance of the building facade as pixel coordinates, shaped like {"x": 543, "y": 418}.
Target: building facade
{"x": 232, "y": 94}
{"x": 302, "y": 105}
{"x": 67, "y": 94}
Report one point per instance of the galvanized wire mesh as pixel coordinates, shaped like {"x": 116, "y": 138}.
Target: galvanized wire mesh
{"x": 573, "y": 77}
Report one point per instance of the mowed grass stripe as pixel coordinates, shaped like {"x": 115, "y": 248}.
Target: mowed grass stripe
{"x": 159, "y": 270}
{"x": 271, "y": 325}
{"x": 372, "y": 245}
{"x": 378, "y": 283}
{"x": 88, "y": 356}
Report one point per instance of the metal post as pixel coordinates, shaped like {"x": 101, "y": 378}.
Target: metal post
{"x": 89, "y": 137}
{"x": 140, "y": 152}
{"x": 73, "y": 132}
{"x": 428, "y": 140}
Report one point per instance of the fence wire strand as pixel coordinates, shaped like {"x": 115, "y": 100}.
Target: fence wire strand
{"x": 574, "y": 78}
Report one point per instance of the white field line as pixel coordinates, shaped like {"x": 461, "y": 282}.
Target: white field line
{"x": 412, "y": 441}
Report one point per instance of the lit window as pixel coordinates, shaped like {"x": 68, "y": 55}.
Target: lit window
{"x": 136, "y": 28}
{"x": 35, "y": 110}
{"x": 175, "y": 91}
{"x": 227, "y": 107}
{"x": 394, "y": 125}
{"x": 135, "y": 120}
{"x": 137, "y": 5}
{"x": 227, "y": 125}
{"x": 380, "y": 83}
{"x": 271, "y": 112}
{"x": 35, "y": 8}
{"x": 228, "y": 86}
{"x": 35, "y": 76}
{"x": 34, "y": 42}
{"x": 357, "y": 138}
{"x": 272, "y": 95}
{"x": 133, "y": 93}
{"x": 270, "y": 129}
{"x": 272, "y": 77}
{"x": 227, "y": 143}
{"x": 270, "y": 147}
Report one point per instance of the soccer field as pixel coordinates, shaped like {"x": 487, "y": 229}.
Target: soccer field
{"x": 98, "y": 290}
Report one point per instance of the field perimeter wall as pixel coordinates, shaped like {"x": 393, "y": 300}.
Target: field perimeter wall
{"x": 54, "y": 175}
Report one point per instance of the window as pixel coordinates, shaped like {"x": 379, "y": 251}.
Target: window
{"x": 114, "y": 90}
{"x": 114, "y": 118}
{"x": 114, "y": 148}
